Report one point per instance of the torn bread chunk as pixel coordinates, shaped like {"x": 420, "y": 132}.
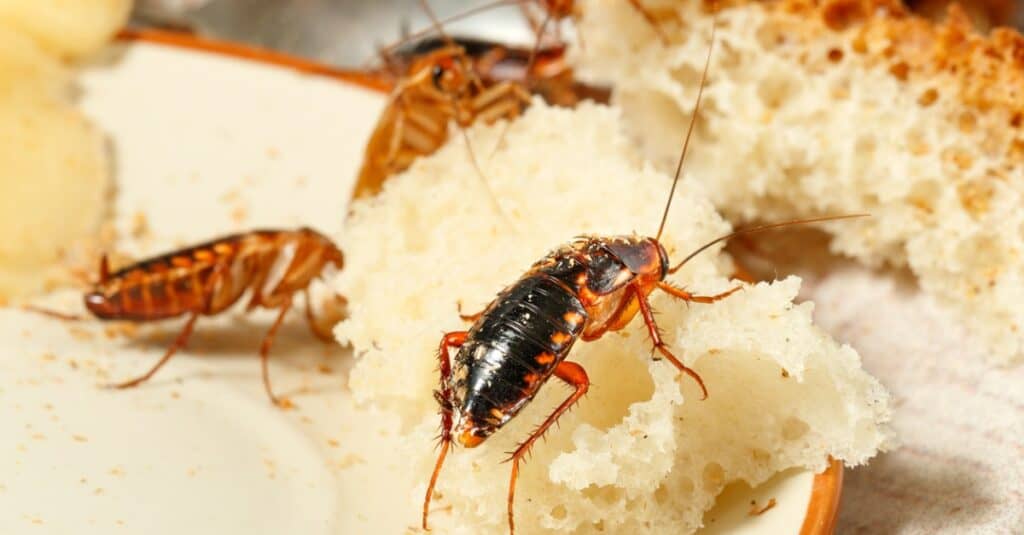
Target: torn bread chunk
{"x": 848, "y": 106}
{"x": 641, "y": 452}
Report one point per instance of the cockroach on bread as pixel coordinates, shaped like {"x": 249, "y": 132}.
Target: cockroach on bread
{"x": 206, "y": 279}
{"x": 580, "y": 291}
{"x": 439, "y": 87}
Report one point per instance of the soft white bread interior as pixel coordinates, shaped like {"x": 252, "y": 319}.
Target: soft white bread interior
{"x": 843, "y": 106}
{"x": 641, "y": 453}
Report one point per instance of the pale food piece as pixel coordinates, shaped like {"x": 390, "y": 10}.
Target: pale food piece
{"x": 68, "y": 28}
{"x": 847, "y": 107}
{"x": 54, "y": 188}
{"x": 641, "y": 452}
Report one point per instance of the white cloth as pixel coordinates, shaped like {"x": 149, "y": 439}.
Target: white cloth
{"x": 958, "y": 465}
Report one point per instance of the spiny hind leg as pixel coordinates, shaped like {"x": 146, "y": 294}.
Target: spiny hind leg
{"x": 575, "y": 376}
{"x": 454, "y": 339}
{"x": 659, "y": 344}
{"x": 179, "y": 343}
{"x": 268, "y": 342}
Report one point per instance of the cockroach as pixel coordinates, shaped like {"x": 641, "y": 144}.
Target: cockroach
{"x": 439, "y": 87}
{"x": 550, "y": 76}
{"x": 206, "y": 279}
{"x": 580, "y": 291}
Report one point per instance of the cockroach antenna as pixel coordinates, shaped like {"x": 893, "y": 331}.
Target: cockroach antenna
{"x": 762, "y": 228}
{"x": 693, "y": 121}
{"x": 479, "y": 84}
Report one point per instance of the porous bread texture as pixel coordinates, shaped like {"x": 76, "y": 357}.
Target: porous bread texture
{"x": 847, "y": 106}
{"x": 69, "y": 29}
{"x": 640, "y": 453}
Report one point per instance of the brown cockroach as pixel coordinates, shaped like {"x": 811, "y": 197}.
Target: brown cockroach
{"x": 550, "y": 76}
{"x": 580, "y": 291}
{"x": 206, "y": 279}
{"x": 439, "y": 87}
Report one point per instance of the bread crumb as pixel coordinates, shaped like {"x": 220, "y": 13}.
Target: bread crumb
{"x": 80, "y": 438}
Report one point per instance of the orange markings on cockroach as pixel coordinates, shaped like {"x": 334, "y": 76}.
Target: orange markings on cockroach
{"x": 594, "y": 285}
{"x": 206, "y": 279}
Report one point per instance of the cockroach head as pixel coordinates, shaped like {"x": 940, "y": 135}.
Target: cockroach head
{"x": 642, "y": 256}
{"x": 450, "y": 72}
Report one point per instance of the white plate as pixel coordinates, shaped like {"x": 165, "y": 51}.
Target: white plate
{"x": 206, "y": 144}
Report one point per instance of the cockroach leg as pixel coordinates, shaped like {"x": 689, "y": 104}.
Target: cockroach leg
{"x": 315, "y": 327}
{"x": 687, "y": 296}
{"x": 467, "y": 317}
{"x": 268, "y": 341}
{"x": 454, "y": 339}
{"x": 652, "y": 329}
{"x": 575, "y": 376}
{"x": 52, "y": 313}
{"x": 179, "y": 343}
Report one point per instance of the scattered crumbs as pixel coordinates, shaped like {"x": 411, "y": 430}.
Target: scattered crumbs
{"x": 273, "y": 153}
{"x": 758, "y": 511}
{"x": 249, "y": 180}
{"x": 785, "y": 374}
{"x": 97, "y": 491}
{"x": 323, "y": 368}
{"x": 351, "y": 459}
{"x": 271, "y": 468}
{"x": 80, "y": 333}
{"x": 83, "y": 480}
{"x": 120, "y": 522}
{"x": 37, "y": 521}
{"x": 48, "y": 406}
{"x": 73, "y": 363}
{"x": 80, "y": 438}
{"x": 38, "y": 436}
{"x": 140, "y": 226}
{"x": 285, "y": 404}
{"x": 239, "y": 214}
{"x": 175, "y": 394}
{"x": 333, "y": 443}
{"x": 301, "y": 181}
{"x": 26, "y": 333}
{"x": 714, "y": 351}
{"x": 306, "y": 420}
{"x": 117, "y": 471}
{"x": 191, "y": 472}
{"x": 48, "y": 357}
{"x": 231, "y": 195}
{"x": 21, "y": 448}
{"x": 122, "y": 329}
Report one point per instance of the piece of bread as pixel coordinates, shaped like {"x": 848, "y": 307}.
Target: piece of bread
{"x": 846, "y": 106}
{"x": 641, "y": 453}
{"x": 56, "y": 180}
{"x": 69, "y": 29}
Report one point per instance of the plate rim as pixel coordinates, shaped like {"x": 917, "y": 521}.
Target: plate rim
{"x": 826, "y": 491}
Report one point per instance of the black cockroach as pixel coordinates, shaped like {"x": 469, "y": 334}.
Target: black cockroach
{"x": 580, "y": 291}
